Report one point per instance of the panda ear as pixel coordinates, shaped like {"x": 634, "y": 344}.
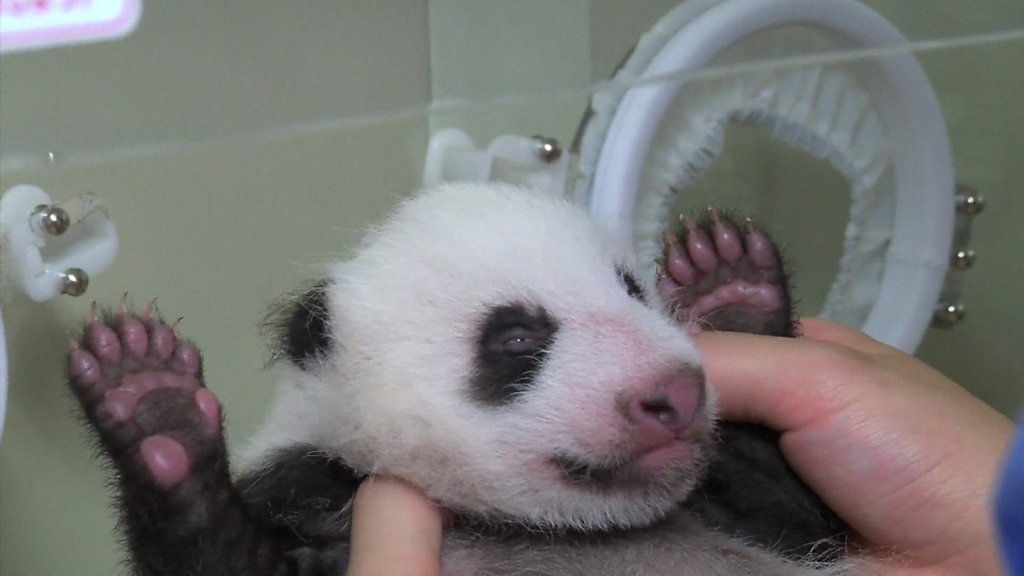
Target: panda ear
{"x": 299, "y": 325}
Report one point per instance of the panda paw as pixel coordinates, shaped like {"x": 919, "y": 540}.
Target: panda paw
{"x": 717, "y": 275}
{"x": 140, "y": 387}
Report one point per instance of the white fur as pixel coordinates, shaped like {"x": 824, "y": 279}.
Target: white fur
{"x": 405, "y": 314}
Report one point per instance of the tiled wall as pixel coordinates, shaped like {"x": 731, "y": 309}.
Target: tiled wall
{"x": 233, "y": 149}
{"x": 240, "y": 148}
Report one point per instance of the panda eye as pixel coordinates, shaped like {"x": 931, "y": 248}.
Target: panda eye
{"x": 519, "y": 341}
{"x": 515, "y": 330}
{"x": 632, "y": 286}
{"x": 512, "y": 346}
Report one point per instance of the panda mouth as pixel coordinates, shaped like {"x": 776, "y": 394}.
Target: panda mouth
{"x": 578, "y": 471}
{"x": 621, "y": 472}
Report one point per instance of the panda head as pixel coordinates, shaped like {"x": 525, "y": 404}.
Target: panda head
{"x": 493, "y": 346}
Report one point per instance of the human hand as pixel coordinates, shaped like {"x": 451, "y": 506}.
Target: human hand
{"x": 903, "y": 454}
{"x": 396, "y": 531}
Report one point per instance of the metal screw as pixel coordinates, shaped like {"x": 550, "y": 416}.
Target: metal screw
{"x": 968, "y": 200}
{"x": 947, "y": 314}
{"x": 549, "y": 149}
{"x": 963, "y": 259}
{"x": 76, "y": 281}
{"x": 54, "y": 220}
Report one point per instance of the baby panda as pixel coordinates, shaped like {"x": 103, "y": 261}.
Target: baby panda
{"x": 492, "y": 345}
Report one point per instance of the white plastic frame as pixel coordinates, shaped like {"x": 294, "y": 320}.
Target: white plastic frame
{"x": 36, "y": 260}
{"x": 918, "y": 254}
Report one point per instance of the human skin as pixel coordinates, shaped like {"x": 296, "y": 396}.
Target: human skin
{"x": 903, "y": 454}
{"x": 396, "y": 531}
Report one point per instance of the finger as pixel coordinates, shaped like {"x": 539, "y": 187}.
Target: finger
{"x": 780, "y": 382}
{"x": 396, "y": 531}
{"x": 829, "y": 331}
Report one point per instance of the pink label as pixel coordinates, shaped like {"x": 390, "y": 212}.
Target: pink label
{"x": 29, "y": 24}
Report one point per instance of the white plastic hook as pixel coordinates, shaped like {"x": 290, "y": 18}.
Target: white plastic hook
{"x": 52, "y": 249}
{"x": 536, "y": 161}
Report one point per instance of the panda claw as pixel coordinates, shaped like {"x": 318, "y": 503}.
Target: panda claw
{"x": 147, "y": 312}
{"x": 122, "y": 304}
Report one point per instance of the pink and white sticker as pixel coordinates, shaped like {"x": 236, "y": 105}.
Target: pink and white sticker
{"x": 34, "y": 24}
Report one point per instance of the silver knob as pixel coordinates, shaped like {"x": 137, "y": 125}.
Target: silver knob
{"x": 949, "y": 313}
{"x": 549, "y": 149}
{"x": 968, "y": 200}
{"x": 76, "y": 281}
{"x": 964, "y": 259}
{"x": 54, "y": 220}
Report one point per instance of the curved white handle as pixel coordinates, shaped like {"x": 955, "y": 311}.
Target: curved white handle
{"x": 918, "y": 254}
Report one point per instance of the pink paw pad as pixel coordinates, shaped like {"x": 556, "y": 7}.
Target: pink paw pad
{"x": 185, "y": 359}
{"x": 709, "y": 267}
{"x": 166, "y": 459}
{"x": 119, "y": 404}
{"x": 103, "y": 343}
{"x": 161, "y": 340}
{"x": 83, "y": 367}
{"x": 140, "y": 386}
{"x": 209, "y": 406}
{"x": 133, "y": 336}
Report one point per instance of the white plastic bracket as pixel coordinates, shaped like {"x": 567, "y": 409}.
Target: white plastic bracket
{"x": 532, "y": 160}
{"x": 52, "y": 249}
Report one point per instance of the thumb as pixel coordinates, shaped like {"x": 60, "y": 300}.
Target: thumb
{"x": 779, "y": 382}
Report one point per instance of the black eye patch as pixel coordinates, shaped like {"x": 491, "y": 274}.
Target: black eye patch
{"x": 512, "y": 344}
{"x": 632, "y": 286}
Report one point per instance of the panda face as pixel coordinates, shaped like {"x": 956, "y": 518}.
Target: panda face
{"x": 492, "y": 346}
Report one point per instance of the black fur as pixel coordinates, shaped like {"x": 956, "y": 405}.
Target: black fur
{"x": 511, "y": 347}
{"x": 633, "y": 287}
{"x": 300, "y": 327}
{"x": 750, "y": 491}
{"x": 303, "y": 493}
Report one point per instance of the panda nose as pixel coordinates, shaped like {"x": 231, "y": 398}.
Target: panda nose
{"x": 667, "y": 410}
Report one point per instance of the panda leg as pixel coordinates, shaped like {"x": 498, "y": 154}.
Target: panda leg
{"x": 720, "y": 275}
{"x": 141, "y": 390}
